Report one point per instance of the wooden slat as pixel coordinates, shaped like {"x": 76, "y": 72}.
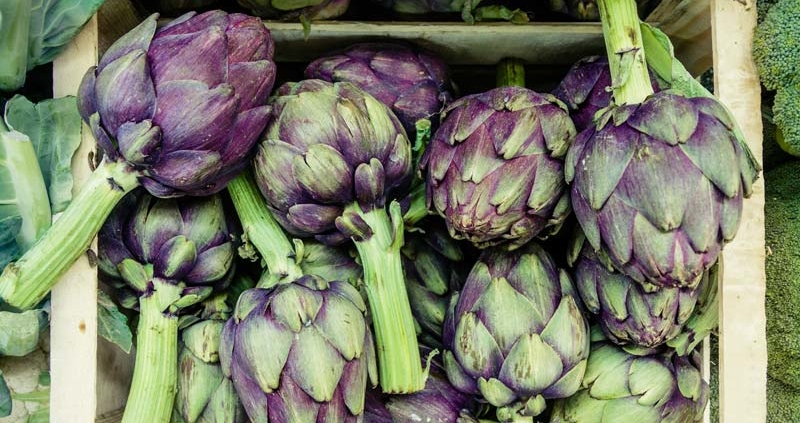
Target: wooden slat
{"x": 687, "y": 22}
{"x": 457, "y": 43}
{"x": 743, "y": 351}
{"x": 73, "y": 324}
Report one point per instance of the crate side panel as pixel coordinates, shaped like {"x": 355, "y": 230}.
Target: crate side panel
{"x": 743, "y": 351}
{"x": 73, "y": 324}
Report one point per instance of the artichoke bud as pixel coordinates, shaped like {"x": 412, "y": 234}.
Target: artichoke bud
{"x": 176, "y": 257}
{"x": 368, "y": 184}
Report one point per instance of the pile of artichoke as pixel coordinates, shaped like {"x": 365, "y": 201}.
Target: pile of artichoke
{"x": 368, "y": 244}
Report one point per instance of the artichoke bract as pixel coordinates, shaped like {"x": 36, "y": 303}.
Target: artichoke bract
{"x": 331, "y": 162}
{"x": 495, "y": 166}
{"x": 173, "y": 253}
{"x": 414, "y": 83}
{"x": 585, "y": 89}
{"x": 204, "y": 394}
{"x": 320, "y": 354}
{"x": 629, "y": 312}
{"x": 627, "y": 388}
{"x": 176, "y": 109}
{"x": 658, "y": 182}
{"x": 516, "y": 334}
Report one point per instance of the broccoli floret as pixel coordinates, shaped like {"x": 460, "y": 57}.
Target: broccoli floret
{"x": 786, "y": 115}
{"x": 763, "y": 7}
{"x": 783, "y": 402}
{"x": 776, "y": 51}
{"x": 776, "y": 46}
{"x": 783, "y": 278}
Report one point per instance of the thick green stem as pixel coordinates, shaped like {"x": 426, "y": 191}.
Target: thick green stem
{"x": 625, "y": 49}
{"x": 155, "y": 374}
{"x": 24, "y": 283}
{"x": 261, "y": 229}
{"x": 399, "y": 366}
{"x": 510, "y": 73}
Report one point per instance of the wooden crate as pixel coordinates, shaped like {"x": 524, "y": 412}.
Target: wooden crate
{"x": 90, "y": 377}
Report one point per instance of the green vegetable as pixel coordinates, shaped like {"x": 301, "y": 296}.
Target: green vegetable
{"x": 783, "y": 401}
{"x": 783, "y": 281}
{"x": 34, "y": 32}
{"x": 776, "y": 51}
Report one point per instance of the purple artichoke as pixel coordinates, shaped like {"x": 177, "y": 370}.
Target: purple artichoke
{"x": 629, "y": 312}
{"x": 495, "y": 166}
{"x": 415, "y": 84}
{"x": 516, "y": 334}
{"x": 330, "y": 161}
{"x": 176, "y": 109}
{"x": 658, "y": 186}
{"x": 173, "y": 253}
{"x": 320, "y": 352}
{"x": 586, "y": 89}
{"x": 184, "y": 103}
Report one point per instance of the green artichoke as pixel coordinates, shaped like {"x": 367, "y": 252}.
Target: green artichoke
{"x": 432, "y": 262}
{"x": 621, "y": 387}
{"x": 306, "y": 10}
{"x": 516, "y": 334}
{"x": 204, "y": 394}
{"x": 300, "y": 352}
{"x": 330, "y": 161}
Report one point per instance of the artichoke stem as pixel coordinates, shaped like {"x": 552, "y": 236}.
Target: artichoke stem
{"x": 261, "y": 228}
{"x": 511, "y": 73}
{"x": 399, "y": 366}
{"x": 155, "y": 373}
{"x": 625, "y": 48}
{"x": 24, "y": 283}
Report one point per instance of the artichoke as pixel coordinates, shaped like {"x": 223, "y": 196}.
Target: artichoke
{"x": 658, "y": 182}
{"x": 431, "y": 261}
{"x": 495, "y": 166}
{"x": 516, "y": 334}
{"x": 172, "y": 253}
{"x": 307, "y": 10}
{"x": 320, "y": 352}
{"x": 629, "y": 312}
{"x": 658, "y": 187}
{"x": 439, "y": 402}
{"x": 470, "y": 12}
{"x": 204, "y": 394}
{"x": 415, "y": 84}
{"x": 177, "y": 109}
{"x": 330, "y": 161}
{"x": 626, "y": 388}
{"x": 585, "y": 89}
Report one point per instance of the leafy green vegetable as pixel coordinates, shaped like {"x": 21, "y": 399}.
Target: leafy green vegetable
{"x": 5, "y": 397}
{"x": 112, "y": 324}
{"x": 19, "y": 332}
{"x": 34, "y": 32}
{"x": 54, "y": 127}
